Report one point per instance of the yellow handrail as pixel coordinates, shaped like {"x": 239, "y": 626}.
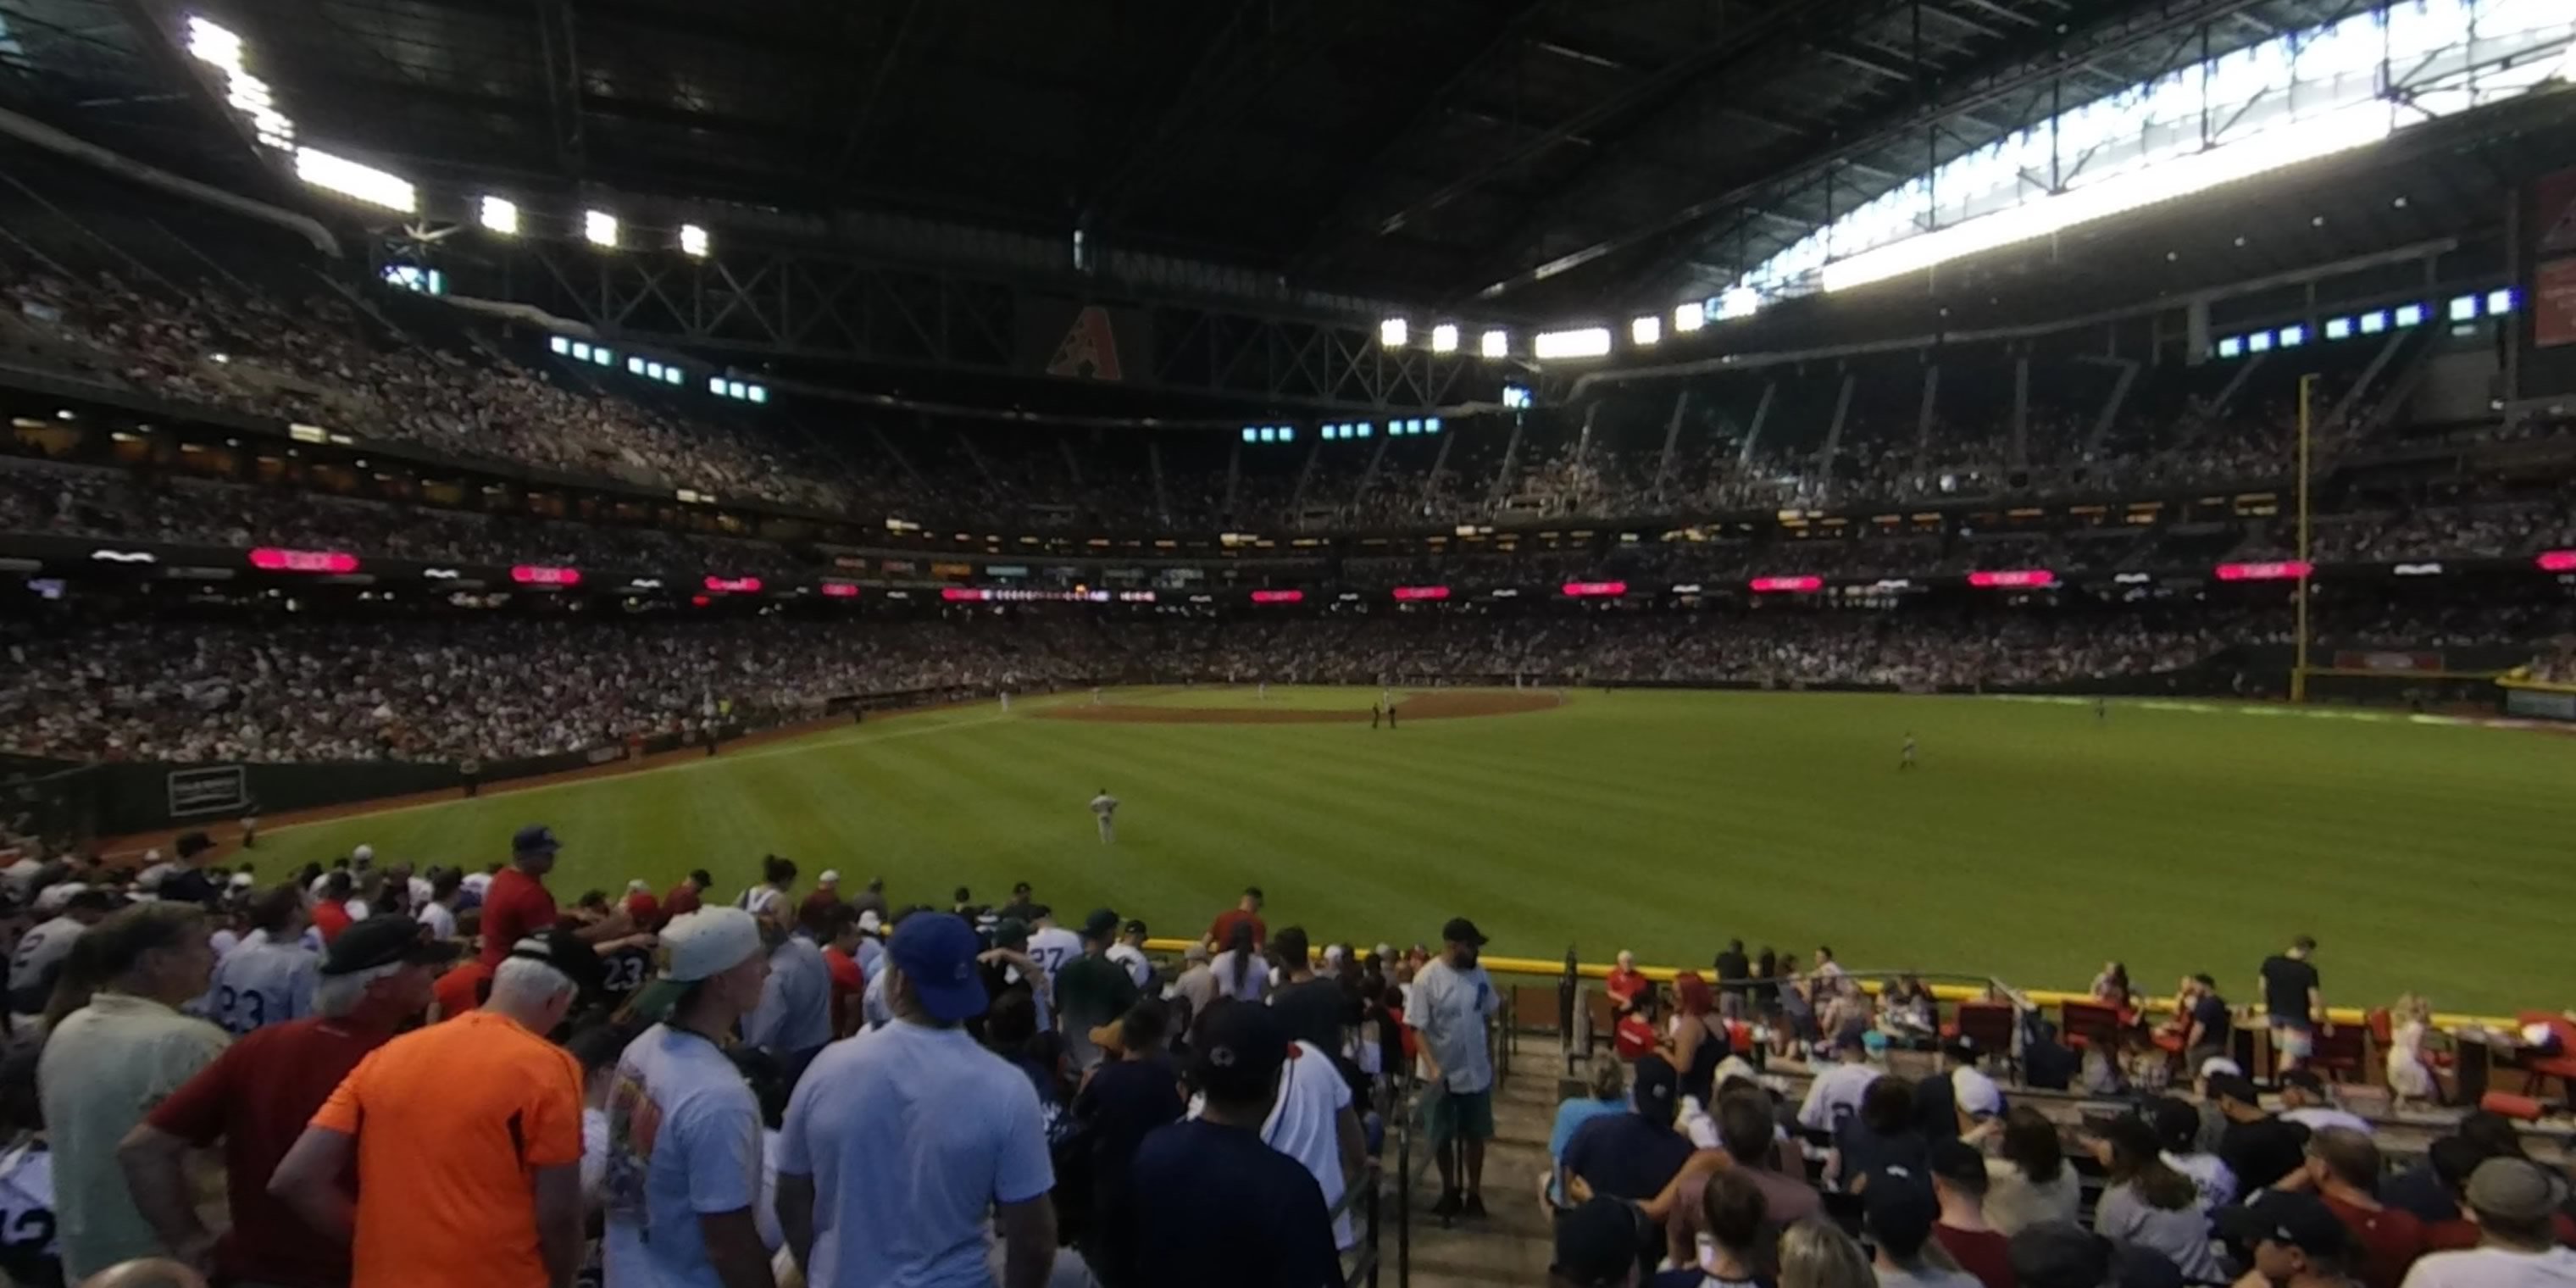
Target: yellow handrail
{"x": 1945, "y": 992}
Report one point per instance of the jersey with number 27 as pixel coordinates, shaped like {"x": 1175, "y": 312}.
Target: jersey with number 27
{"x": 262, "y": 983}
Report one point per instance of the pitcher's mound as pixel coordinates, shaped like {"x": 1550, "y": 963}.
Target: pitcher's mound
{"x": 1430, "y": 705}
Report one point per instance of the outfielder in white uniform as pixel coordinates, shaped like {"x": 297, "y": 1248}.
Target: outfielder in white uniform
{"x": 1103, "y": 807}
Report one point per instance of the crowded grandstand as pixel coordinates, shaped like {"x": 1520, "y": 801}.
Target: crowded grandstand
{"x": 776, "y": 463}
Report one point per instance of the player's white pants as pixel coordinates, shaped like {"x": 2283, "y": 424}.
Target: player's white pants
{"x": 1108, "y": 830}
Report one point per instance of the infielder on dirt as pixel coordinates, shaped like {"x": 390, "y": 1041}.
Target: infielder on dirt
{"x": 1103, "y": 808}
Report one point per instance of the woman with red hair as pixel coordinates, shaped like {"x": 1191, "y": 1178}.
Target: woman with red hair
{"x": 1699, "y": 1040}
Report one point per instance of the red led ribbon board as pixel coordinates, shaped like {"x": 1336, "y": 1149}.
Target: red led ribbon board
{"x": 274, "y": 559}
{"x": 2013, "y": 578}
{"x": 1786, "y": 585}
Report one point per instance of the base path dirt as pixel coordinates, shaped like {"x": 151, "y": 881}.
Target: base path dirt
{"x": 1433, "y": 705}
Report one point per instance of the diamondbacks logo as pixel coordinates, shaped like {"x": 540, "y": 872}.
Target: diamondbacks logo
{"x": 1089, "y": 350}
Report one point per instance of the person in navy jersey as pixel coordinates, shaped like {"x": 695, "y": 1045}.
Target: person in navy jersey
{"x": 1633, "y": 1155}
{"x": 1216, "y": 1204}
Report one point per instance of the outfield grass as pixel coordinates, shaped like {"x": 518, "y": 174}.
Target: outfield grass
{"x": 2033, "y": 842}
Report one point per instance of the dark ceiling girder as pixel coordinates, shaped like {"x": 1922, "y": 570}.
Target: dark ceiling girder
{"x": 156, "y": 31}
{"x": 1566, "y": 50}
{"x": 1888, "y": 127}
{"x": 1644, "y": 93}
{"x": 1507, "y": 38}
{"x": 562, "y": 53}
{"x": 2008, "y": 15}
{"x": 1482, "y": 117}
{"x": 854, "y": 140}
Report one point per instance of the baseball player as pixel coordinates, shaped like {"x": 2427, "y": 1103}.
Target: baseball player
{"x": 1905, "y": 757}
{"x": 1104, "y": 807}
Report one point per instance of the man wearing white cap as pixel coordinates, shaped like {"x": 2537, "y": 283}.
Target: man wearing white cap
{"x": 826, "y": 892}
{"x": 684, "y": 1151}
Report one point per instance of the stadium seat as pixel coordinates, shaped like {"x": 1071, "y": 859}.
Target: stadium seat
{"x": 2085, "y": 1023}
{"x": 1604, "y": 1013}
{"x": 2519, "y": 1108}
{"x": 1988, "y": 1025}
{"x": 2341, "y": 1054}
{"x": 2542, "y": 1068}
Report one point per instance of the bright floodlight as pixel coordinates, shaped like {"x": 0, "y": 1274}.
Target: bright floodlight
{"x": 600, "y": 227}
{"x": 1392, "y": 332}
{"x": 355, "y": 180}
{"x": 1581, "y": 342}
{"x": 1689, "y": 317}
{"x": 693, "y": 241}
{"x": 1738, "y": 302}
{"x": 1646, "y": 330}
{"x": 2352, "y": 127}
{"x": 500, "y": 215}
{"x": 1497, "y": 344}
{"x": 211, "y": 42}
{"x": 1444, "y": 338}
{"x": 2500, "y": 300}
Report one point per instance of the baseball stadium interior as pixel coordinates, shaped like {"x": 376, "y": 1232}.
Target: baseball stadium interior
{"x": 429, "y": 416}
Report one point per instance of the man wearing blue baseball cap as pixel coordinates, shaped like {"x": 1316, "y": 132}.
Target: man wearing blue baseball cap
{"x": 898, "y": 1141}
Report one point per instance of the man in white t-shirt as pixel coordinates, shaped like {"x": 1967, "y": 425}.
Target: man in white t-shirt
{"x": 898, "y": 1142}
{"x": 1104, "y": 808}
{"x": 1451, "y": 1001}
{"x": 1836, "y": 1093}
{"x": 1129, "y": 952}
{"x": 2513, "y": 1200}
{"x": 684, "y": 1143}
{"x": 2305, "y": 1101}
{"x": 1314, "y": 1123}
{"x": 1051, "y": 945}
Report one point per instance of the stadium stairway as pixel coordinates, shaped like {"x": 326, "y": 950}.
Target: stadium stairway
{"x": 1513, "y": 1242}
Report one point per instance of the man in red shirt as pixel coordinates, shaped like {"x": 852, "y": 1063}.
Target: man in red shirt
{"x": 1221, "y": 932}
{"x": 848, "y": 981}
{"x": 256, "y": 1098}
{"x": 518, "y": 905}
{"x": 683, "y": 898}
{"x": 331, "y": 911}
{"x": 2343, "y": 1170}
{"x": 826, "y": 895}
{"x": 1625, "y": 980}
{"x": 641, "y": 907}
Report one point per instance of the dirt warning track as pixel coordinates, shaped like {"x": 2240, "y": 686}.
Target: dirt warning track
{"x": 1432, "y": 705}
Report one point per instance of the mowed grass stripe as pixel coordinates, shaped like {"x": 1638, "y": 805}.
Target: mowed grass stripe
{"x": 2032, "y": 843}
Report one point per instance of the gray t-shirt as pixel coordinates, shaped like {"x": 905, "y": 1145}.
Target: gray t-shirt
{"x": 795, "y": 1011}
{"x": 683, "y": 1143}
{"x": 2182, "y": 1234}
{"x": 1448, "y": 1008}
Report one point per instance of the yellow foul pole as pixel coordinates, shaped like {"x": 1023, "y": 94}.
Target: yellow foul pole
{"x": 2299, "y": 666}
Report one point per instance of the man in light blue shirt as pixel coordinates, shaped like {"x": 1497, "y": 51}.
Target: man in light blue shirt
{"x": 794, "y": 1018}
{"x": 900, "y": 1140}
{"x": 684, "y": 1156}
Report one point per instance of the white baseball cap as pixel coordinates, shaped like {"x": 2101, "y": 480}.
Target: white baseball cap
{"x": 53, "y": 897}
{"x": 829, "y": 877}
{"x": 637, "y": 885}
{"x": 364, "y": 854}
{"x": 1975, "y": 1093}
{"x": 870, "y": 922}
{"x": 243, "y": 881}
{"x": 2218, "y": 1064}
{"x": 151, "y": 857}
{"x": 708, "y": 942}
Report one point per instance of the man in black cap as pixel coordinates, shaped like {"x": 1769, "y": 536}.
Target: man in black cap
{"x": 2257, "y": 1147}
{"x": 1596, "y": 1246}
{"x": 517, "y": 904}
{"x": 1452, "y": 1001}
{"x": 1633, "y": 1155}
{"x": 1899, "y": 1210}
{"x": 1218, "y": 1205}
{"x": 2292, "y": 1239}
{"x": 257, "y": 1096}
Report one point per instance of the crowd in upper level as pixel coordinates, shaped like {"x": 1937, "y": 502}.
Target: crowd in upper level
{"x": 340, "y": 360}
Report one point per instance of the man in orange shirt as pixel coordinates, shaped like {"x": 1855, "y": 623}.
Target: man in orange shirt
{"x": 1221, "y": 931}
{"x": 467, "y": 1138}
